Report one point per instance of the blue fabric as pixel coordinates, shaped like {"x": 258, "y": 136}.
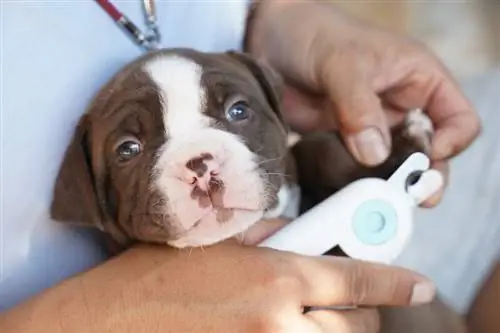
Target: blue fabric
{"x": 55, "y": 56}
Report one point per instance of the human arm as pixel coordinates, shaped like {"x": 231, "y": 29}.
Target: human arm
{"x": 223, "y": 288}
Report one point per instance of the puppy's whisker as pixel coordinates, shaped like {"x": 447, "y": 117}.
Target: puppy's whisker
{"x": 277, "y": 174}
{"x": 258, "y": 151}
{"x": 270, "y": 186}
{"x": 241, "y": 236}
{"x": 280, "y": 157}
{"x": 268, "y": 161}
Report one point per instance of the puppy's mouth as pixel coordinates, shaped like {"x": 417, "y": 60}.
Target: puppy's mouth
{"x": 212, "y": 196}
{"x": 213, "y": 186}
{"x": 210, "y": 214}
{"x": 208, "y": 230}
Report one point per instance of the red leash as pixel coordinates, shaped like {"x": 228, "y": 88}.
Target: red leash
{"x": 148, "y": 41}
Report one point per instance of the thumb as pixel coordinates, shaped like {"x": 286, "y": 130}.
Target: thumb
{"x": 305, "y": 112}
{"x": 359, "y": 114}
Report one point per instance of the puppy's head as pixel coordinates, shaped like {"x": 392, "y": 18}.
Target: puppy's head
{"x": 180, "y": 147}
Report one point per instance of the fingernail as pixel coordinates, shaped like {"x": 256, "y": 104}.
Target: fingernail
{"x": 369, "y": 146}
{"x": 423, "y": 293}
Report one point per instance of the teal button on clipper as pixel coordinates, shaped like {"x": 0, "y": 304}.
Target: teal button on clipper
{"x": 375, "y": 222}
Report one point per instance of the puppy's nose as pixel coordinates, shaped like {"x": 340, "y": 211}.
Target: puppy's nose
{"x": 200, "y": 170}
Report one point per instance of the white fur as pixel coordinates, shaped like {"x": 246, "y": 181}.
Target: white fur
{"x": 283, "y": 198}
{"x": 288, "y": 203}
{"x": 418, "y": 122}
{"x": 189, "y": 134}
{"x": 292, "y": 208}
{"x": 419, "y": 127}
{"x": 293, "y": 138}
{"x": 183, "y": 97}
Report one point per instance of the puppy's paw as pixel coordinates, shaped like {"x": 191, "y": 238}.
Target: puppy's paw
{"x": 413, "y": 135}
{"x": 418, "y": 129}
{"x": 324, "y": 165}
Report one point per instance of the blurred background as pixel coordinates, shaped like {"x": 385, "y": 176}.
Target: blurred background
{"x": 465, "y": 34}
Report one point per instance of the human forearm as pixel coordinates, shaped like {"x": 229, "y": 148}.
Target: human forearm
{"x": 59, "y": 309}
{"x": 483, "y": 315}
{"x": 223, "y": 288}
{"x": 95, "y": 301}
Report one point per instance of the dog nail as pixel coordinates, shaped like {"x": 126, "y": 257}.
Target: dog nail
{"x": 369, "y": 146}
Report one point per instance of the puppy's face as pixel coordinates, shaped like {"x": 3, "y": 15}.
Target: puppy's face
{"x": 180, "y": 147}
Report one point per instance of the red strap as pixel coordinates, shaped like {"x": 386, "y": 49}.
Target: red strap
{"x": 110, "y": 9}
{"x": 148, "y": 41}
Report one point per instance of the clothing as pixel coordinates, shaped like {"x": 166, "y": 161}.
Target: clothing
{"x": 57, "y": 54}
{"x": 55, "y": 57}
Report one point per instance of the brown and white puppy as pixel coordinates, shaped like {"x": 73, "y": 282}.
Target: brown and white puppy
{"x": 189, "y": 148}
{"x": 324, "y": 165}
{"x": 180, "y": 147}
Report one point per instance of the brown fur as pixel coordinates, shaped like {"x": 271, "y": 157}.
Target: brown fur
{"x": 94, "y": 188}
{"x": 325, "y": 166}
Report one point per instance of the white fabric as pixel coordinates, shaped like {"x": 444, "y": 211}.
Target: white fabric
{"x": 56, "y": 54}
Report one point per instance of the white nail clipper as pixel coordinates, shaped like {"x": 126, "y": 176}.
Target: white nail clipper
{"x": 370, "y": 219}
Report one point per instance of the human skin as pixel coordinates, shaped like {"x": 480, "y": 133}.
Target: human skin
{"x": 223, "y": 288}
{"x": 483, "y": 316}
{"x": 341, "y": 73}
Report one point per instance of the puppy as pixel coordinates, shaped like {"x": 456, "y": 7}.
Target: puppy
{"x": 180, "y": 147}
{"x": 188, "y": 149}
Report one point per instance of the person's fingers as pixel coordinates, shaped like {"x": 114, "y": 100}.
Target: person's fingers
{"x": 305, "y": 112}
{"x": 456, "y": 122}
{"x": 297, "y": 324}
{"x": 434, "y": 90}
{"x": 359, "y": 113}
{"x": 454, "y": 134}
{"x": 346, "y": 321}
{"x": 435, "y": 199}
{"x": 332, "y": 281}
{"x": 261, "y": 230}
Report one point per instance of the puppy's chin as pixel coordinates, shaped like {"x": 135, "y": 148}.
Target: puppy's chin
{"x": 209, "y": 230}
{"x": 212, "y": 185}
{"x": 204, "y": 219}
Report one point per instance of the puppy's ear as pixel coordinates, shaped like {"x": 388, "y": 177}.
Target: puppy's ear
{"x": 270, "y": 81}
{"x": 75, "y": 197}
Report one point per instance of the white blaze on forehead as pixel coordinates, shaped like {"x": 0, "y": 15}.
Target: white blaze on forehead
{"x": 183, "y": 97}
{"x": 190, "y": 135}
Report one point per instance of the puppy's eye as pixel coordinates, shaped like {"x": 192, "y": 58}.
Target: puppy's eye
{"x": 238, "y": 111}
{"x": 128, "y": 148}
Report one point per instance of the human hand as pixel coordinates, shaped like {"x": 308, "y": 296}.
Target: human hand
{"x": 223, "y": 288}
{"x": 342, "y": 73}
